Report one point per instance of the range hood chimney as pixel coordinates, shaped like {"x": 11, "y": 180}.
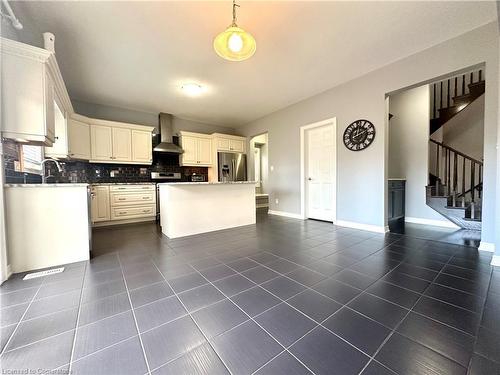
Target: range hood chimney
{"x": 166, "y": 133}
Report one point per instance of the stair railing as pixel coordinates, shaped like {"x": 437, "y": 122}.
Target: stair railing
{"x": 461, "y": 174}
{"x": 445, "y": 91}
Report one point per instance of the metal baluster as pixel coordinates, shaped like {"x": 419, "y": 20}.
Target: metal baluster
{"x": 434, "y": 101}
{"x": 448, "y": 95}
{"x": 456, "y": 88}
{"x": 480, "y": 190}
{"x": 472, "y": 178}
{"x": 454, "y": 178}
{"x": 441, "y": 95}
{"x": 463, "y": 84}
{"x": 438, "y": 174}
{"x": 463, "y": 181}
{"x": 480, "y": 75}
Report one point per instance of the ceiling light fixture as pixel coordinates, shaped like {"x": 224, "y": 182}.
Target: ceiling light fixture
{"x": 192, "y": 89}
{"x": 235, "y": 44}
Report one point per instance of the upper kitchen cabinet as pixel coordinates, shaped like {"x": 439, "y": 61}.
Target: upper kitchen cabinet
{"x": 229, "y": 143}
{"x": 101, "y": 143}
{"x": 121, "y": 143}
{"x": 142, "y": 146}
{"x": 72, "y": 140}
{"x": 78, "y": 139}
{"x": 197, "y": 149}
{"x": 31, "y": 86}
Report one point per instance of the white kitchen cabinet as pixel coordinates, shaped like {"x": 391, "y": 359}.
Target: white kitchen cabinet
{"x": 29, "y": 75}
{"x": 197, "y": 149}
{"x": 122, "y": 144}
{"x": 72, "y": 138}
{"x": 100, "y": 206}
{"x": 205, "y": 151}
{"x": 116, "y": 204}
{"x": 101, "y": 142}
{"x": 142, "y": 149}
{"x": 78, "y": 139}
{"x": 229, "y": 143}
{"x": 59, "y": 148}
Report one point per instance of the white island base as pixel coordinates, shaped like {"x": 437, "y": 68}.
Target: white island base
{"x": 193, "y": 208}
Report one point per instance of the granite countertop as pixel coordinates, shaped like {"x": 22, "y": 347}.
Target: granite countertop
{"x": 208, "y": 183}
{"x": 122, "y": 183}
{"x": 44, "y": 185}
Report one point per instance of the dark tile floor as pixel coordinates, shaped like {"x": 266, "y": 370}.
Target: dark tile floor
{"x": 280, "y": 297}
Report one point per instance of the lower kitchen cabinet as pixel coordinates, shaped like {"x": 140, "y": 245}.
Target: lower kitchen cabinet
{"x": 100, "y": 204}
{"x": 116, "y": 204}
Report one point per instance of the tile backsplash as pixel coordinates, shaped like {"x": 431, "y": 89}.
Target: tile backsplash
{"x": 84, "y": 172}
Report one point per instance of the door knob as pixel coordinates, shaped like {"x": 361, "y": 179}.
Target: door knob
{"x": 310, "y": 179}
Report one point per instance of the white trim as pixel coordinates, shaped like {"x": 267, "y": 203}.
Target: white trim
{"x": 495, "y": 260}
{"x": 332, "y": 121}
{"x": 487, "y": 246}
{"x": 367, "y": 227}
{"x": 285, "y": 214}
{"x": 436, "y": 223}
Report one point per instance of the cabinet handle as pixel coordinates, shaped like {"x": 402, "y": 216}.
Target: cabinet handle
{"x": 121, "y": 199}
{"x": 145, "y": 211}
{"x": 145, "y": 197}
{"x": 123, "y": 212}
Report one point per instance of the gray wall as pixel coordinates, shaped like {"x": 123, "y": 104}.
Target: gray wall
{"x": 362, "y": 175}
{"x": 409, "y": 148}
{"x": 143, "y": 118}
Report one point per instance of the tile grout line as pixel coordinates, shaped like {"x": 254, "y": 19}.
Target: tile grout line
{"x": 320, "y": 324}
{"x": 479, "y": 325}
{"x": 77, "y": 322}
{"x": 20, "y": 320}
{"x": 402, "y": 320}
{"x": 193, "y": 320}
{"x": 135, "y": 318}
{"x": 253, "y": 320}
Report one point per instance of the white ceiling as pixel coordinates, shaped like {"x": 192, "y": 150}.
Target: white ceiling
{"x": 137, "y": 54}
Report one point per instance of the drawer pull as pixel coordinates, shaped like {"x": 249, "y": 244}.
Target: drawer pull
{"x": 123, "y": 212}
{"x": 122, "y": 199}
{"x": 145, "y": 211}
{"x": 146, "y": 197}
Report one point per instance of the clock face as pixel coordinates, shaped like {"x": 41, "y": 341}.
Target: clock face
{"x": 359, "y": 135}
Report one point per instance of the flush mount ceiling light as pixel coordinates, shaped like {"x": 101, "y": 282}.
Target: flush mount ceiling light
{"x": 235, "y": 44}
{"x": 192, "y": 89}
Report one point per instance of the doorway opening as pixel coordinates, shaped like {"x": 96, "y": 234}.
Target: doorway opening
{"x": 258, "y": 164}
{"x": 435, "y": 170}
{"x": 318, "y": 144}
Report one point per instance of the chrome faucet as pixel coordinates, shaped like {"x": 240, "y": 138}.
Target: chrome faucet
{"x": 44, "y": 177}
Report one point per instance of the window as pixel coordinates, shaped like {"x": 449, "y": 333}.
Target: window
{"x": 31, "y": 158}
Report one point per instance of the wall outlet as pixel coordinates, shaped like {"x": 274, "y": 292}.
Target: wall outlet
{"x": 277, "y": 201}
{"x": 272, "y": 168}
{"x": 17, "y": 166}
{"x": 114, "y": 173}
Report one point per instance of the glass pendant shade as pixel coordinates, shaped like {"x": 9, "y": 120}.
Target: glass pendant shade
{"x": 235, "y": 44}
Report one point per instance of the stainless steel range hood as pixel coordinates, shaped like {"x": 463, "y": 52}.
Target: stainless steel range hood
{"x": 166, "y": 133}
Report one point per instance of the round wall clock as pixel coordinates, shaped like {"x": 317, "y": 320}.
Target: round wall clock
{"x": 359, "y": 135}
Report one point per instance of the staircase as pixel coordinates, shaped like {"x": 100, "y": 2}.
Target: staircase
{"x": 451, "y": 96}
{"x": 455, "y": 185}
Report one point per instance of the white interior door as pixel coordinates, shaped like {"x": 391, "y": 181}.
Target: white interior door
{"x": 320, "y": 173}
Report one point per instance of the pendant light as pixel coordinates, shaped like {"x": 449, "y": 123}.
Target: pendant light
{"x": 235, "y": 44}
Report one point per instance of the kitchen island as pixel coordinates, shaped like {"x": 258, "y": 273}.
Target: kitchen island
{"x": 188, "y": 208}
{"x": 47, "y": 225}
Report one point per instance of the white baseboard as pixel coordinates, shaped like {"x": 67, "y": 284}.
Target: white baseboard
{"x": 285, "y": 214}
{"x": 367, "y": 227}
{"x": 487, "y": 246}
{"x": 436, "y": 223}
{"x": 495, "y": 261}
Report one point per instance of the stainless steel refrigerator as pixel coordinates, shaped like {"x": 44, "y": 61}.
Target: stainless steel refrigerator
{"x": 232, "y": 167}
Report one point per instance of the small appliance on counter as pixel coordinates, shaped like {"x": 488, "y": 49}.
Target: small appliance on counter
{"x": 232, "y": 167}
{"x": 197, "y": 178}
